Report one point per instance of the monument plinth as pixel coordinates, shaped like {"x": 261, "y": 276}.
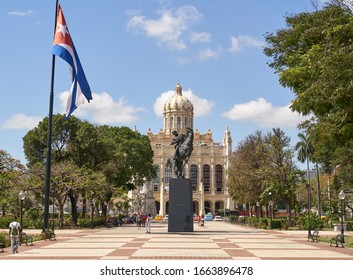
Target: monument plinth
{"x": 180, "y": 206}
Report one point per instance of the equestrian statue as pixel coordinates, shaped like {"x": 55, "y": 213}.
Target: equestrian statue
{"x": 183, "y": 148}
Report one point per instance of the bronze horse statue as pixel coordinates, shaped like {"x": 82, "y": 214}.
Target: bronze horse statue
{"x": 183, "y": 152}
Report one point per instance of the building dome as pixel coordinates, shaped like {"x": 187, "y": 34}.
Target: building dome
{"x": 178, "y": 101}
{"x": 178, "y": 112}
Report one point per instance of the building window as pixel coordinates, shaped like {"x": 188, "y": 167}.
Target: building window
{"x": 168, "y": 175}
{"x": 186, "y": 122}
{"x": 179, "y": 122}
{"x": 219, "y": 178}
{"x": 207, "y": 207}
{"x": 206, "y": 178}
{"x": 156, "y": 181}
{"x": 194, "y": 176}
{"x": 219, "y": 207}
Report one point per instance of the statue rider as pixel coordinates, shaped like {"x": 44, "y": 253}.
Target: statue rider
{"x": 178, "y": 139}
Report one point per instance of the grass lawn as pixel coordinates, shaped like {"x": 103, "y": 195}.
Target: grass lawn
{"x": 327, "y": 239}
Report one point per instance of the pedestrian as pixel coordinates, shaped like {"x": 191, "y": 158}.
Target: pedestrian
{"x": 148, "y": 223}
{"x": 138, "y": 221}
{"x": 14, "y": 234}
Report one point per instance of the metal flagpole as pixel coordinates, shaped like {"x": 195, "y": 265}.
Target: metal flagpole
{"x": 50, "y": 123}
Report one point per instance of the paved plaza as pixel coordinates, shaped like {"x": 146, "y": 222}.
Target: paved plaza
{"x": 214, "y": 241}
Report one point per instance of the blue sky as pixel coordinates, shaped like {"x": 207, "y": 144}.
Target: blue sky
{"x": 134, "y": 52}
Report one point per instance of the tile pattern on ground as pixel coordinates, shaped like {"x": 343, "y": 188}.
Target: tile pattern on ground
{"x": 215, "y": 241}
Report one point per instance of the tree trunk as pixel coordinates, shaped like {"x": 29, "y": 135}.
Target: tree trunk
{"x": 84, "y": 207}
{"x": 104, "y": 210}
{"x": 74, "y": 214}
{"x": 61, "y": 214}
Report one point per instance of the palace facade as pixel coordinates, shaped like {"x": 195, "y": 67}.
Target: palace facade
{"x": 207, "y": 166}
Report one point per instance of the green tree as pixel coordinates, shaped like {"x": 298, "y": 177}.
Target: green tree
{"x": 12, "y": 174}
{"x": 262, "y": 164}
{"x": 313, "y": 56}
{"x": 245, "y": 181}
{"x": 123, "y": 156}
{"x": 281, "y": 170}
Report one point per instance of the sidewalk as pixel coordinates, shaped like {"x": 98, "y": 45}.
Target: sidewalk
{"x": 214, "y": 241}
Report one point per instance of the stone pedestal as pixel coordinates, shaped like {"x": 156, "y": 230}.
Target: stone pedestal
{"x": 180, "y": 206}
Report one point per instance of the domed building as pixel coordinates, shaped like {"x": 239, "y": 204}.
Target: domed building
{"x": 206, "y": 167}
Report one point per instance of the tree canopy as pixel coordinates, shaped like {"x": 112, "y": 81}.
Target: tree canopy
{"x": 313, "y": 56}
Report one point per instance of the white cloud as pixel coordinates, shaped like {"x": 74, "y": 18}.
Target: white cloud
{"x": 169, "y": 29}
{"x": 21, "y": 121}
{"x": 103, "y": 109}
{"x": 209, "y": 53}
{"x": 242, "y": 42}
{"x": 21, "y": 14}
{"x": 202, "y": 107}
{"x": 264, "y": 114}
{"x": 197, "y": 37}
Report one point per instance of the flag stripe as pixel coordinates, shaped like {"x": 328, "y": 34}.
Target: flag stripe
{"x": 64, "y": 48}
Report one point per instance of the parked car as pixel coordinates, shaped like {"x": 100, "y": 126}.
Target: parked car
{"x": 208, "y": 217}
{"x": 218, "y": 218}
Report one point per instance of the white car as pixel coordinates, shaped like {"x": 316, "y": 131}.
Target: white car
{"x": 218, "y": 218}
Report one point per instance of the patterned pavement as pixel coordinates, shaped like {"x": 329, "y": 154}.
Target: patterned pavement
{"x": 214, "y": 241}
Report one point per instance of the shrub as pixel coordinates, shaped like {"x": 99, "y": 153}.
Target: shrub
{"x": 315, "y": 221}
{"x": 241, "y": 220}
{"x": 277, "y": 223}
{"x": 233, "y": 219}
{"x": 4, "y": 240}
{"x": 263, "y": 223}
{"x": 87, "y": 223}
{"x": 5, "y": 221}
{"x": 349, "y": 225}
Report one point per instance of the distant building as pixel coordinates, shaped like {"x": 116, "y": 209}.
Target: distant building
{"x": 207, "y": 167}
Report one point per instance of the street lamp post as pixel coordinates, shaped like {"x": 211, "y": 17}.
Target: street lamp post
{"x": 271, "y": 208}
{"x": 257, "y": 213}
{"x": 92, "y": 211}
{"x": 21, "y": 196}
{"x": 309, "y": 209}
{"x": 341, "y": 196}
{"x": 271, "y": 212}
{"x": 53, "y": 217}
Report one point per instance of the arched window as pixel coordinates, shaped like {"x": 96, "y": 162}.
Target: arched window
{"x": 206, "y": 178}
{"x": 219, "y": 178}
{"x": 219, "y": 207}
{"x": 156, "y": 181}
{"x": 168, "y": 175}
{"x": 194, "y": 176}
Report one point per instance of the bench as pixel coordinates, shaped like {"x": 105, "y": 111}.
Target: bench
{"x": 338, "y": 240}
{"x": 48, "y": 234}
{"x": 25, "y": 238}
{"x": 314, "y": 236}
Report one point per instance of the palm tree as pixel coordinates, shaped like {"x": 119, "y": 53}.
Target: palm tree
{"x": 305, "y": 149}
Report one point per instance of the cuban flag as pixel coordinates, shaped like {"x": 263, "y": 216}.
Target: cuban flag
{"x": 64, "y": 47}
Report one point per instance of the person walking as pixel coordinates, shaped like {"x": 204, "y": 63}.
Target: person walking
{"x": 14, "y": 234}
{"x": 148, "y": 223}
{"x": 138, "y": 221}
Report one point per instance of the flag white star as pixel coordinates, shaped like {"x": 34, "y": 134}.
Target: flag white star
{"x": 63, "y": 29}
